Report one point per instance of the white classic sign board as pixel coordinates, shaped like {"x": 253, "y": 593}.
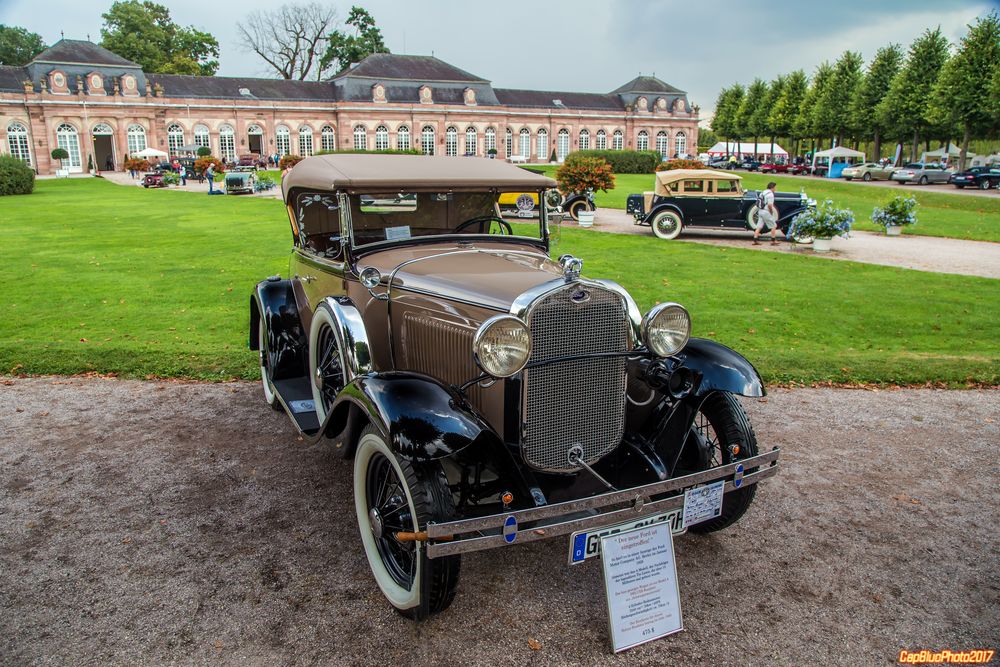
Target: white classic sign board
{"x": 640, "y": 579}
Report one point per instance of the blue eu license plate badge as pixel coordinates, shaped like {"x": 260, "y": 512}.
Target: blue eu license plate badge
{"x": 585, "y": 544}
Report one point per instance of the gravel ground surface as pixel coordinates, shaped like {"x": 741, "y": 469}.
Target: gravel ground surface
{"x": 170, "y": 523}
{"x": 923, "y": 253}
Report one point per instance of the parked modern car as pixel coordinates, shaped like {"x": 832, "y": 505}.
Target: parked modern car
{"x": 708, "y": 199}
{"x": 983, "y": 178}
{"x": 487, "y": 394}
{"x": 783, "y": 168}
{"x": 750, "y": 164}
{"x": 918, "y": 172}
{"x": 718, "y": 163}
{"x": 868, "y": 171}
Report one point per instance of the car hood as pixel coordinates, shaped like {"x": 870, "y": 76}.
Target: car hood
{"x": 487, "y": 274}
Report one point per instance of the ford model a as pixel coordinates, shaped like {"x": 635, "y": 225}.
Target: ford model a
{"x": 487, "y": 394}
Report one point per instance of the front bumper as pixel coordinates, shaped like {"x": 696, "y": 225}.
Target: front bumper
{"x": 607, "y": 509}
{"x": 904, "y": 178}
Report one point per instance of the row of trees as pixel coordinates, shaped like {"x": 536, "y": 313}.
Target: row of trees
{"x": 296, "y": 41}
{"x": 927, "y": 93}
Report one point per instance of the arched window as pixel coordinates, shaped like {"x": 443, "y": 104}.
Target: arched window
{"x": 360, "y": 138}
{"x": 642, "y": 142}
{"x": 201, "y": 136}
{"x": 584, "y": 140}
{"x": 543, "y": 144}
{"x": 403, "y": 138}
{"x": 427, "y": 140}
{"x": 282, "y": 141}
{"x": 136, "y": 139}
{"x": 661, "y": 144}
{"x": 562, "y": 145}
{"x": 305, "y": 141}
{"x": 509, "y": 142}
{"x": 17, "y": 142}
{"x": 327, "y": 139}
{"x": 451, "y": 141}
{"x": 617, "y": 140}
{"x": 680, "y": 144}
{"x": 602, "y": 140}
{"x": 102, "y": 129}
{"x": 381, "y": 138}
{"x": 68, "y": 139}
{"x": 471, "y": 139}
{"x": 175, "y": 139}
{"x": 524, "y": 143}
{"x": 227, "y": 143}
{"x": 490, "y": 140}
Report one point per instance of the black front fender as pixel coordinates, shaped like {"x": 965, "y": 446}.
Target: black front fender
{"x": 721, "y": 368}
{"x": 421, "y": 419}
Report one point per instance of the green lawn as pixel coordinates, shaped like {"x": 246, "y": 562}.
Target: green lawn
{"x": 940, "y": 211}
{"x": 111, "y": 279}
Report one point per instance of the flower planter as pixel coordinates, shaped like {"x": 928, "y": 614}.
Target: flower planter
{"x": 586, "y": 218}
{"x": 821, "y": 245}
{"x": 893, "y": 230}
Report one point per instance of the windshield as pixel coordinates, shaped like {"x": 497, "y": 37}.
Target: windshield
{"x": 400, "y": 216}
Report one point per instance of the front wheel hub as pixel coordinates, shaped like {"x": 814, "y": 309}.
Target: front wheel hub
{"x": 376, "y": 520}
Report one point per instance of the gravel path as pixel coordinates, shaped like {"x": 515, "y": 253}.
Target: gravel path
{"x": 171, "y": 523}
{"x": 923, "y": 253}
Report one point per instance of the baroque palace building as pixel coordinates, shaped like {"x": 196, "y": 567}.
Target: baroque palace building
{"x": 95, "y": 104}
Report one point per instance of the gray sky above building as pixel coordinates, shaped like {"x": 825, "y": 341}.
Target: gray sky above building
{"x": 575, "y": 45}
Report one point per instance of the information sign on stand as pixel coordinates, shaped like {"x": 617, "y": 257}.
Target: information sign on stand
{"x": 640, "y": 580}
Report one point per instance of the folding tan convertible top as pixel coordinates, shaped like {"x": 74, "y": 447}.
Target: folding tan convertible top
{"x": 359, "y": 172}
{"x": 664, "y": 178}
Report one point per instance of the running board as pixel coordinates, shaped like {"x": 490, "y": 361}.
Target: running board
{"x": 296, "y": 398}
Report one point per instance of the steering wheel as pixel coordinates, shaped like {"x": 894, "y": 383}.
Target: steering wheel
{"x": 487, "y": 220}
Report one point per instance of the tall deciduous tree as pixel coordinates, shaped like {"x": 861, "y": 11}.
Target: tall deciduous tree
{"x": 786, "y": 107}
{"x": 831, "y": 114}
{"x": 291, "y": 39}
{"x": 884, "y": 66}
{"x": 345, "y": 48}
{"x": 904, "y": 109}
{"x": 144, "y": 33}
{"x": 774, "y": 91}
{"x": 805, "y": 124}
{"x": 962, "y": 93}
{"x": 18, "y": 46}
{"x": 727, "y": 108}
{"x": 752, "y": 114}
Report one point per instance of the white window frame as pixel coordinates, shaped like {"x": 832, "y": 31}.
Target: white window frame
{"x": 17, "y": 141}
{"x": 562, "y": 145}
{"x": 642, "y": 141}
{"x": 601, "y": 142}
{"x": 617, "y": 141}
{"x": 202, "y": 138}
{"x": 509, "y": 142}
{"x": 680, "y": 143}
{"x": 68, "y": 138}
{"x": 584, "y": 140}
{"x": 524, "y": 143}
{"x": 227, "y": 143}
{"x": 542, "y": 144}
{"x": 327, "y": 138}
{"x": 306, "y": 141}
{"x": 360, "y": 138}
{"x": 662, "y": 145}
{"x": 282, "y": 141}
{"x": 471, "y": 141}
{"x": 381, "y": 138}
{"x": 136, "y": 138}
{"x": 403, "y": 138}
{"x": 175, "y": 138}
{"x": 490, "y": 140}
{"x": 427, "y": 138}
{"x": 451, "y": 141}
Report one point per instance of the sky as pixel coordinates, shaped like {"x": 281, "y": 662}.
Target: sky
{"x": 578, "y": 45}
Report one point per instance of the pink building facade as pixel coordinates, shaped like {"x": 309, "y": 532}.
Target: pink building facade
{"x": 101, "y": 108}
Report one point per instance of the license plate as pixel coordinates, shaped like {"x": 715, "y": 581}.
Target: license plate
{"x": 584, "y": 544}
{"x": 525, "y": 214}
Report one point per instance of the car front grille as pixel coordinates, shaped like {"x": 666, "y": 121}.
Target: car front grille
{"x": 575, "y": 402}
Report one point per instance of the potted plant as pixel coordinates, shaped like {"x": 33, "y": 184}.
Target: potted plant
{"x": 204, "y": 151}
{"x": 899, "y": 212}
{"x": 584, "y": 175}
{"x": 60, "y": 154}
{"x": 90, "y": 164}
{"x": 492, "y": 153}
{"x": 552, "y": 158}
{"x": 823, "y": 223}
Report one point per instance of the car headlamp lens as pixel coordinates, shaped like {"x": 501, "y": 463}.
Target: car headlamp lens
{"x": 666, "y": 329}
{"x": 502, "y": 345}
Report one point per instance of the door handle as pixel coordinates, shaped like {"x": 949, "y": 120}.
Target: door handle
{"x": 307, "y": 279}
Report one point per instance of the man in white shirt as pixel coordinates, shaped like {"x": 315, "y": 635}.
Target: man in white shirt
{"x": 767, "y": 215}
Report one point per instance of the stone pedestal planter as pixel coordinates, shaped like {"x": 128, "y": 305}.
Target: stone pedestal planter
{"x": 893, "y": 230}
{"x": 821, "y": 245}
{"x": 586, "y": 218}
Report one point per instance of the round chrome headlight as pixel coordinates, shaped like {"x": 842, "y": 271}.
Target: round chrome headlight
{"x": 666, "y": 329}
{"x": 502, "y": 345}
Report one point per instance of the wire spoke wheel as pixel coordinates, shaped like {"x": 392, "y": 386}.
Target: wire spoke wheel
{"x": 329, "y": 367}
{"x": 390, "y": 514}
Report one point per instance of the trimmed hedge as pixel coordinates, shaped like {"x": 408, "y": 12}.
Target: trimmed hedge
{"x": 16, "y": 177}
{"x": 624, "y": 162}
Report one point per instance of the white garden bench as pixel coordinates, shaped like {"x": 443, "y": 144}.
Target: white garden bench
{"x": 516, "y": 159}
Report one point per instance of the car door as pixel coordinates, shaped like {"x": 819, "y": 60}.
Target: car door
{"x": 722, "y": 204}
{"x": 691, "y": 199}
{"x": 940, "y": 174}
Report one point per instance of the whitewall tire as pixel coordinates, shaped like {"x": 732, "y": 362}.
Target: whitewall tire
{"x": 265, "y": 375}
{"x": 667, "y": 225}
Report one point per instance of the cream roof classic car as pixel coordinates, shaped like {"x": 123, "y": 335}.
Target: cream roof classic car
{"x": 666, "y": 178}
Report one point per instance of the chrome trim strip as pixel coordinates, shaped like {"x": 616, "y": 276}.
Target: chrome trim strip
{"x": 479, "y": 543}
{"x": 352, "y": 336}
{"x": 495, "y": 522}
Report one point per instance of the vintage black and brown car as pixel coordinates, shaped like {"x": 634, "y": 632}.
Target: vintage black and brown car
{"x": 708, "y": 199}
{"x": 487, "y": 394}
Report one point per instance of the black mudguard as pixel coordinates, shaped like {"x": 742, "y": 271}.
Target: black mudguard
{"x": 421, "y": 419}
{"x": 721, "y": 369}
{"x": 274, "y": 301}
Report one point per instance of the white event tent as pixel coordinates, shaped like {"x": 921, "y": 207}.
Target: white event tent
{"x": 836, "y": 159}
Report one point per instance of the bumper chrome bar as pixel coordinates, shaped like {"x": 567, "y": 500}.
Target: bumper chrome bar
{"x": 607, "y": 509}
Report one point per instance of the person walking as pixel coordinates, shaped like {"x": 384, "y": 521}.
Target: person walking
{"x": 183, "y": 174}
{"x": 210, "y": 175}
{"x": 767, "y": 214}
